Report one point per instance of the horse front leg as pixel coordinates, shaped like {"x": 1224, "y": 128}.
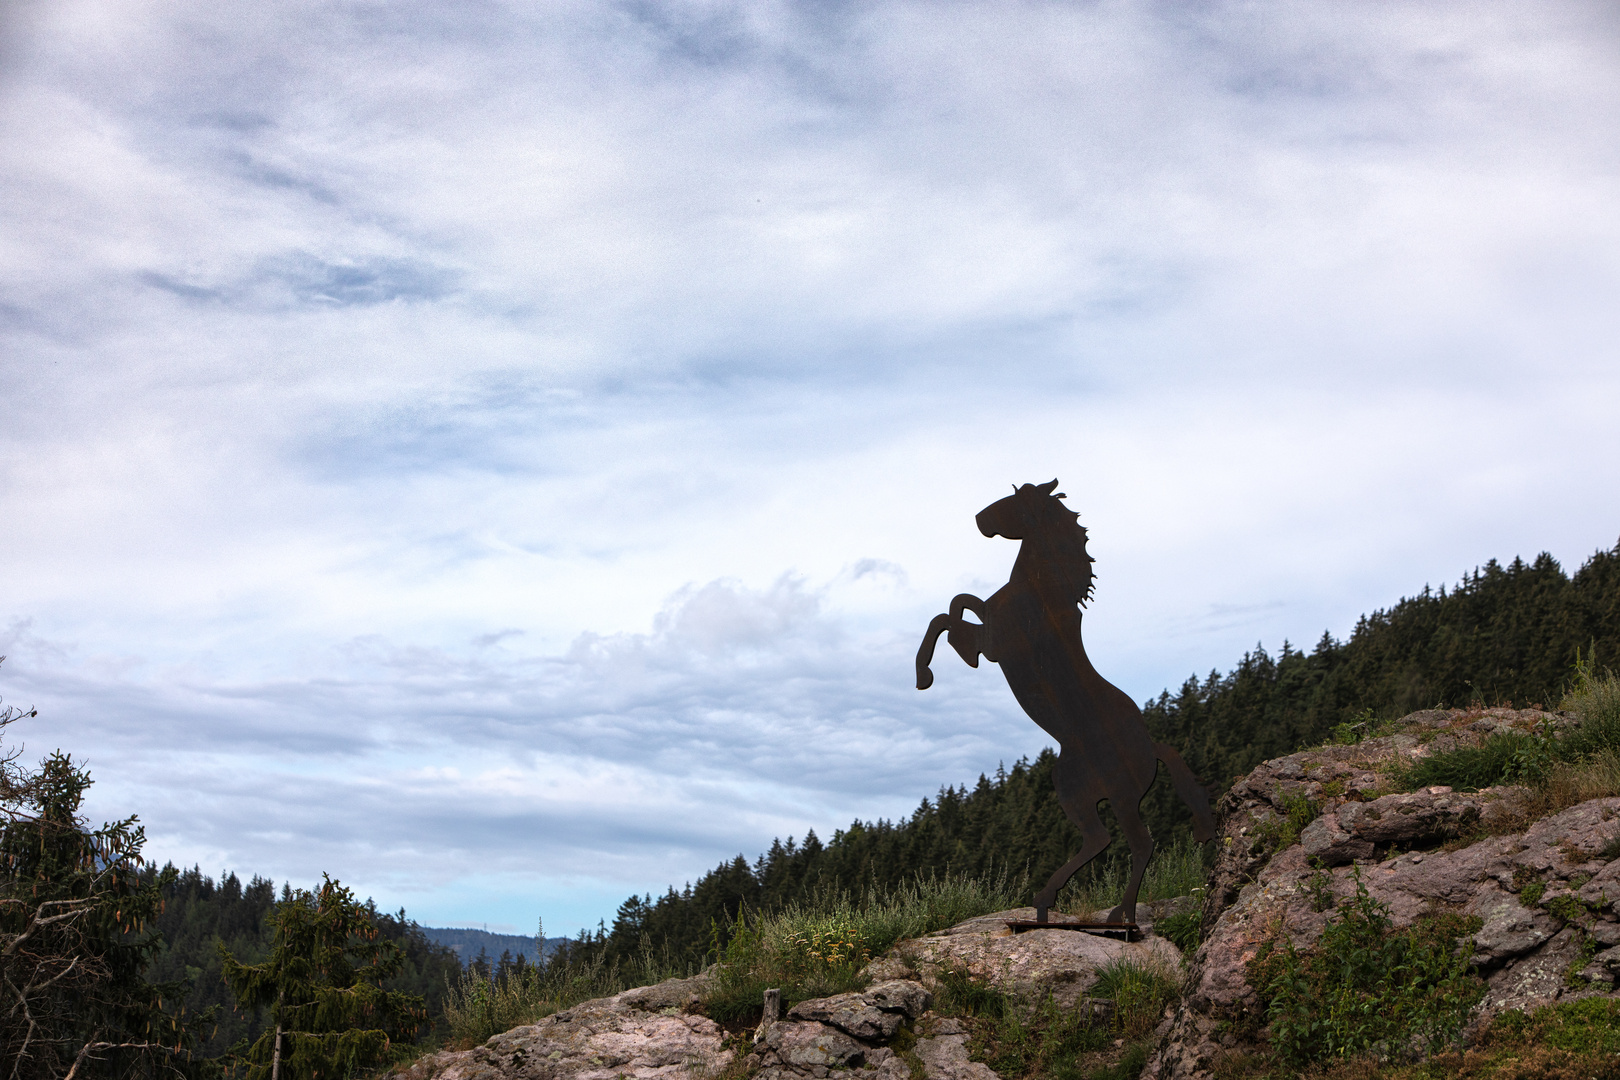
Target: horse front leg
{"x": 925, "y": 652}
{"x": 968, "y": 639}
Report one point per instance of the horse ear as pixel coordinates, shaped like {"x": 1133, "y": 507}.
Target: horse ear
{"x": 1047, "y": 489}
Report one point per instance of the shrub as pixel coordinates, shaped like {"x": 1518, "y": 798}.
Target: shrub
{"x": 1184, "y": 931}
{"x": 1581, "y": 764}
{"x": 1017, "y": 1038}
{"x": 1140, "y": 991}
{"x": 819, "y": 947}
{"x": 1367, "y": 988}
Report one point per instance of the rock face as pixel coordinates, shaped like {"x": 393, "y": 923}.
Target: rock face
{"x": 1532, "y": 942}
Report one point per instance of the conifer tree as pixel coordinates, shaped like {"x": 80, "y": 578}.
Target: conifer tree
{"x": 329, "y": 1015}
{"x": 74, "y": 939}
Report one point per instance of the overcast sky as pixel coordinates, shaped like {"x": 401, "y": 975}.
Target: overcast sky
{"x": 505, "y": 455}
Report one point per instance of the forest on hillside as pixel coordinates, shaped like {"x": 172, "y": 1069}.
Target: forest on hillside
{"x": 1504, "y": 634}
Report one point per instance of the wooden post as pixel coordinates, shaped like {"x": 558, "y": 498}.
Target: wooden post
{"x": 772, "y": 1013}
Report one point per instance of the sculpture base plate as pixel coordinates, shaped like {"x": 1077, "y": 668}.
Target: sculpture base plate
{"x": 1127, "y": 931}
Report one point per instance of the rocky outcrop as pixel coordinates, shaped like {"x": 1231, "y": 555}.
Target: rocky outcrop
{"x": 885, "y": 1032}
{"x": 642, "y": 1034}
{"x": 846, "y": 1031}
{"x": 1543, "y": 891}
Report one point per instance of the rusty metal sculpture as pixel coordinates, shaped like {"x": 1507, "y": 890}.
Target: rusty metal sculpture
{"x": 1031, "y": 627}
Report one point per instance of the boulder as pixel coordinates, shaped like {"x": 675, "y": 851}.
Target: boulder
{"x": 1032, "y": 964}
{"x": 873, "y": 1015}
{"x": 641, "y": 1034}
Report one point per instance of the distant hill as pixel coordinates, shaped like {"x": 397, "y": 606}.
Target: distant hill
{"x": 465, "y": 943}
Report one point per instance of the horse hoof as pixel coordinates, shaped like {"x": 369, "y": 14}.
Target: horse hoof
{"x": 925, "y": 678}
{"x": 1040, "y": 914}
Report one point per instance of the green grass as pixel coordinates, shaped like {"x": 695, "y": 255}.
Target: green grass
{"x": 819, "y": 947}
{"x": 1019, "y": 1038}
{"x": 1562, "y": 769}
{"x": 1177, "y": 869}
{"x": 478, "y": 1006}
{"x": 1140, "y": 991}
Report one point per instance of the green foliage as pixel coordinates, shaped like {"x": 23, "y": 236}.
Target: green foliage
{"x": 1569, "y": 907}
{"x": 1017, "y": 1038}
{"x": 1140, "y": 990}
{"x": 75, "y": 941}
{"x": 1320, "y": 886}
{"x": 1185, "y": 931}
{"x": 1531, "y": 894}
{"x": 1502, "y": 758}
{"x": 1358, "y": 727}
{"x": 1282, "y": 830}
{"x": 819, "y": 946}
{"x": 322, "y": 986}
{"x": 1367, "y": 988}
{"x": 1533, "y": 757}
{"x": 1587, "y": 1026}
{"x": 199, "y": 915}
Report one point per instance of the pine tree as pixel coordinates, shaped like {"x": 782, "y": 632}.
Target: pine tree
{"x": 74, "y": 938}
{"x": 330, "y": 1016}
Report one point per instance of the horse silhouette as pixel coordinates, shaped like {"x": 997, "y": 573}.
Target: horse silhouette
{"x": 1031, "y": 627}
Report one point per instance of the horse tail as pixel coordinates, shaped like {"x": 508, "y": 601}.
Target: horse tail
{"x": 1191, "y": 792}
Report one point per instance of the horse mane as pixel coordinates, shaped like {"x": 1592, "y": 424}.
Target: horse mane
{"x": 1063, "y": 538}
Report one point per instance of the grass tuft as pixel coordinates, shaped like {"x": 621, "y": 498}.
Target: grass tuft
{"x": 819, "y": 947}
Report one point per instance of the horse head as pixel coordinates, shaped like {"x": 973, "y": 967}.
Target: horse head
{"x": 1033, "y": 512}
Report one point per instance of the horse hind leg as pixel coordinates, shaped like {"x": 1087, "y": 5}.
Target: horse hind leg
{"x": 1141, "y": 842}
{"x": 1187, "y": 786}
{"x": 1093, "y": 838}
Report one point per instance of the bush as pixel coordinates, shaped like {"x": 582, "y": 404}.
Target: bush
{"x": 819, "y": 947}
{"x": 1140, "y": 991}
{"x": 1583, "y": 763}
{"x": 1020, "y": 1038}
{"x": 1184, "y": 931}
{"x": 1367, "y": 988}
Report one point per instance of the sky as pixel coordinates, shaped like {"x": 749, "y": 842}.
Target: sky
{"x": 505, "y": 456}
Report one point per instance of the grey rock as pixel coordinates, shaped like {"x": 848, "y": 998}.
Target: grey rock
{"x": 1510, "y": 929}
{"x": 900, "y": 995}
{"x": 945, "y": 1057}
{"x": 809, "y": 1044}
{"x": 851, "y": 1014}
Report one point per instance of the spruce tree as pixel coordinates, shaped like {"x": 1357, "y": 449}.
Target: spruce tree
{"x": 329, "y": 1015}
{"x": 75, "y": 943}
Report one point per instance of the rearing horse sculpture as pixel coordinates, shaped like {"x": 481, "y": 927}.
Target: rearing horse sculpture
{"x": 1031, "y": 627}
